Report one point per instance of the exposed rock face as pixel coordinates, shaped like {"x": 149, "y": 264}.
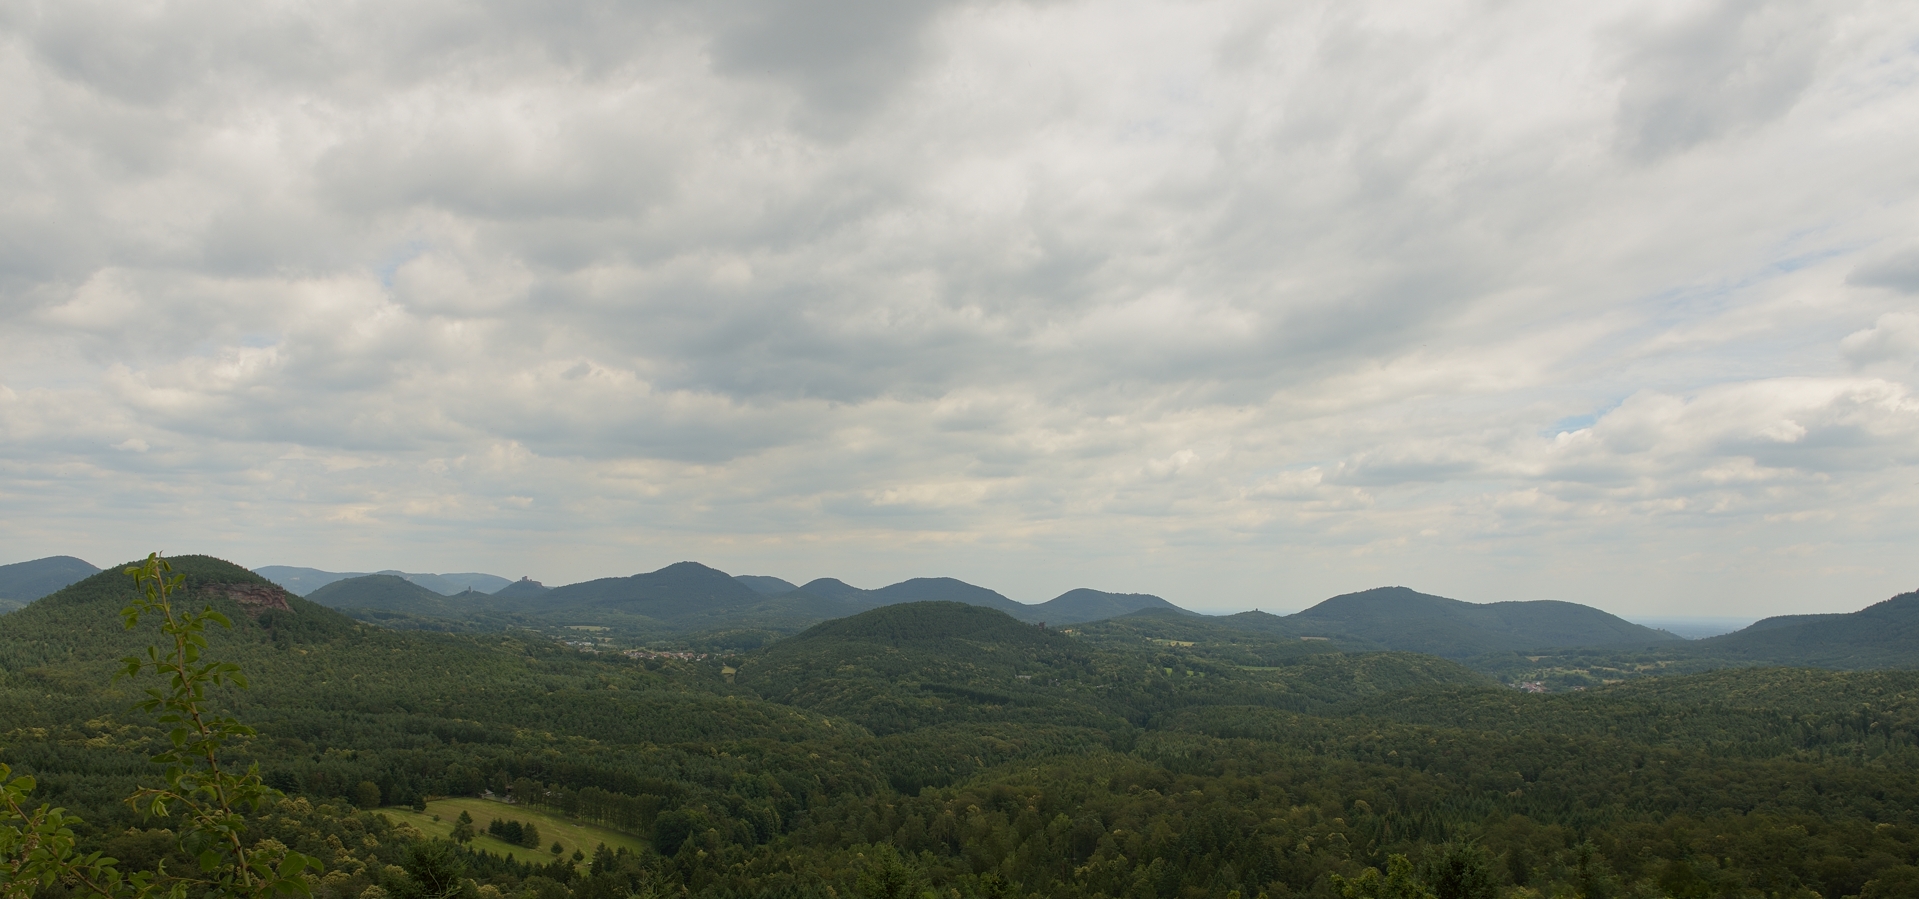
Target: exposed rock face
{"x": 253, "y": 598}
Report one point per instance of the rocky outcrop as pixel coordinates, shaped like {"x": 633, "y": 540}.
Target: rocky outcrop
{"x": 253, "y": 598}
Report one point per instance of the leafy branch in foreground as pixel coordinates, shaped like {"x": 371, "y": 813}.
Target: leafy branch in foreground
{"x": 38, "y": 847}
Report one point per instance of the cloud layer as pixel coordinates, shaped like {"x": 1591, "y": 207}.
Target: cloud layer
{"x": 1238, "y": 304}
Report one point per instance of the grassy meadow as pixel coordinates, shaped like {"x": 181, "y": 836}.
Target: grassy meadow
{"x": 570, "y": 834}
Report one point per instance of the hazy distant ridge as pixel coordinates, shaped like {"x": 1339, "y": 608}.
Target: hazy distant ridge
{"x": 24, "y": 582}
{"x": 304, "y": 581}
{"x": 1404, "y": 619}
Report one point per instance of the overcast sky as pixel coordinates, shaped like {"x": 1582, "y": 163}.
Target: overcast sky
{"x": 1242, "y": 304}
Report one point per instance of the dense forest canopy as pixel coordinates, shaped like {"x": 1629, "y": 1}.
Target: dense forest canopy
{"x": 950, "y": 748}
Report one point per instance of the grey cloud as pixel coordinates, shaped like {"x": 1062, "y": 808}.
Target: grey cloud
{"x": 844, "y": 57}
{"x": 1895, "y": 336}
{"x": 1728, "y": 67}
{"x": 1042, "y": 287}
{"x": 1897, "y": 271}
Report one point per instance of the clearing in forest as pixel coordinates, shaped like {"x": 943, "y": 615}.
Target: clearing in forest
{"x": 571, "y": 834}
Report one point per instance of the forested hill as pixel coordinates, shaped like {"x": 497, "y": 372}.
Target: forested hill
{"x": 80, "y": 622}
{"x": 1399, "y": 618}
{"x": 394, "y": 601}
{"x": 943, "y": 589}
{"x": 24, "y": 582}
{"x": 900, "y": 668}
{"x": 681, "y": 590}
{"x": 382, "y": 591}
{"x": 1882, "y": 635}
{"x": 305, "y": 581}
{"x": 770, "y": 586}
{"x": 1075, "y": 606}
{"x": 682, "y": 597}
{"x": 1071, "y": 607}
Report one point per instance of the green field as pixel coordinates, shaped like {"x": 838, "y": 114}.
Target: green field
{"x": 570, "y": 834}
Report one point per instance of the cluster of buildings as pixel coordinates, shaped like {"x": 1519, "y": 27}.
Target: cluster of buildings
{"x": 683, "y": 655}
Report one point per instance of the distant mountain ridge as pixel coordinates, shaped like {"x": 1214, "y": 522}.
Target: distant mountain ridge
{"x": 690, "y": 595}
{"x": 690, "y": 598}
{"x": 24, "y": 582}
{"x": 384, "y": 592}
{"x": 306, "y": 580}
{"x": 1071, "y": 607}
{"x": 1403, "y": 619}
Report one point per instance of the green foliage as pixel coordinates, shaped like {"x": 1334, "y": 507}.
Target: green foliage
{"x": 1461, "y": 871}
{"x": 1397, "y": 883}
{"x": 1885, "y": 634}
{"x": 201, "y": 789}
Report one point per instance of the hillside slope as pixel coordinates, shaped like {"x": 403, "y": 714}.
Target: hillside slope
{"x": 81, "y": 621}
{"x": 1882, "y": 635}
{"x": 392, "y": 601}
{"x": 685, "y": 596}
{"x": 770, "y": 586}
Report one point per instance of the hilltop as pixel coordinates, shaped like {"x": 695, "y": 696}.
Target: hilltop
{"x": 384, "y": 592}
{"x": 1071, "y": 607}
{"x": 24, "y": 582}
{"x": 1403, "y": 619}
{"x": 306, "y": 580}
{"x": 81, "y": 621}
{"x": 394, "y": 601}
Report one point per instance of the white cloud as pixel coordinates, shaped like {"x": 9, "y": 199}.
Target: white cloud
{"x": 1235, "y": 303}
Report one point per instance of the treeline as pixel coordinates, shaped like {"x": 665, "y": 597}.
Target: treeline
{"x": 519, "y": 833}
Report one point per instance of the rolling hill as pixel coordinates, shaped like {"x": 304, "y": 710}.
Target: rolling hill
{"x": 24, "y": 582}
{"x": 1882, "y": 635}
{"x": 1070, "y": 607}
{"x": 1403, "y": 619}
{"x": 386, "y": 593}
{"x": 81, "y": 621}
{"x": 524, "y": 588}
{"x": 304, "y": 581}
{"x": 945, "y": 589}
{"x": 1080, "y": 605}
{"x": 688, "y": 598}
{"x": 684, "y": 596}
